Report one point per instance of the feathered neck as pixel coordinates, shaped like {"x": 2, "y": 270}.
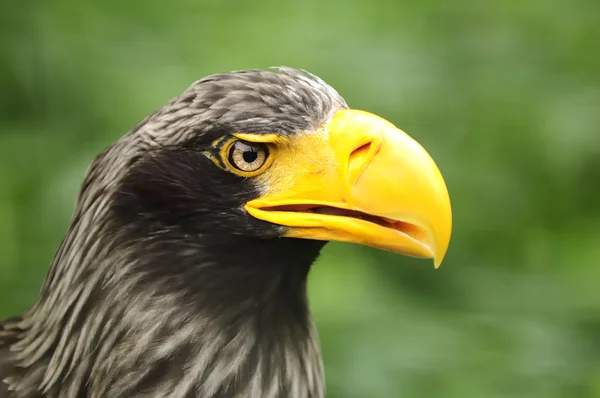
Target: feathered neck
{"x": 167, "y": 314}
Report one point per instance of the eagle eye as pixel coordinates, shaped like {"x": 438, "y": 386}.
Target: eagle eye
{"x": 246, "y": 156}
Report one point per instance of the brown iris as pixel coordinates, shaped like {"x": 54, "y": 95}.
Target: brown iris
{"x": 248, "y": 156}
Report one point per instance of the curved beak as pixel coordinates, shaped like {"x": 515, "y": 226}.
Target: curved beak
{"x": 358, "y": 179}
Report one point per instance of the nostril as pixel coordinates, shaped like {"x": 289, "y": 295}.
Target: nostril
{"x": 358, "y": 160}
{"x": 362, "y": 150}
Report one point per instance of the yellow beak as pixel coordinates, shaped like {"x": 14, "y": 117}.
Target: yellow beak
{"x": 358, "y": 179}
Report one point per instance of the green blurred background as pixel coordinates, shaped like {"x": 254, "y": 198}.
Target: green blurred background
{"x": 505, "y": 95}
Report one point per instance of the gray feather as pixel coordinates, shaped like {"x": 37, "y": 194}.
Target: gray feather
{"x": 101, "y": 329}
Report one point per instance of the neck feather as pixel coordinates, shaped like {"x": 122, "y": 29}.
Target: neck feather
{"x": 171, "y": 316}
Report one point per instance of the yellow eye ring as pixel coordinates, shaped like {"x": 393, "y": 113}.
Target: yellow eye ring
{"x": 246, "y": 158}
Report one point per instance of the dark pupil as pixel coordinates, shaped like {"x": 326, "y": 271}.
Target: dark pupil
{"x": 250, "y": 155}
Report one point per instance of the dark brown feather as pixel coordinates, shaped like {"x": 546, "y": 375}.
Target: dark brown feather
{"x": 163, "y": 284}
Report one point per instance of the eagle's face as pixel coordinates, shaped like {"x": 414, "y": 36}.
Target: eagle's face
{"x": 183, "y": 272}
{"x": 271, "y": 154}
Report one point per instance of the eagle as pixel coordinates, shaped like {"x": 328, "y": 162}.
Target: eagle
{"x": 183, "y": 272}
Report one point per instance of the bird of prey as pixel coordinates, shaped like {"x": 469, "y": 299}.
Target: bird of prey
{"x": 183, "y": 272}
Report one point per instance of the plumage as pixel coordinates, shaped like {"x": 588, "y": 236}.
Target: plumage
{"x": 164, "y": 285}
